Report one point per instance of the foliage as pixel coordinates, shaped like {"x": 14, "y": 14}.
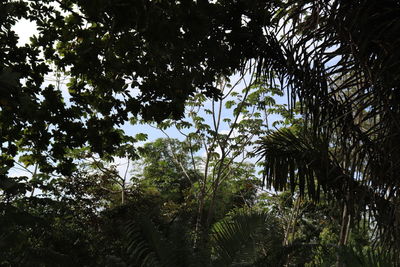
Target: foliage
{"x": 224, "y": 132}
{"x": 235, "y": 240}
{"x": 129, "y": 60}
{"x": 123, "y": 59}
{"x": 338, "y": 61}
{"x": 367, "y": 257}
{"x": 168, "y": 170}
{"x": 246, "y": 237}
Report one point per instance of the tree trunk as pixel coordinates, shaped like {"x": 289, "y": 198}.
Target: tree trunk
{"x": 344, "y": 233}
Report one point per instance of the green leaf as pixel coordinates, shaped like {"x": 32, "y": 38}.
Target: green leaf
{"x": 229, "y": 104}
{"x": 141, "y": 137}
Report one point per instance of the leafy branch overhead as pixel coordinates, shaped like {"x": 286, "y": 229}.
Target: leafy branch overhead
{"x": 123, "y": 59}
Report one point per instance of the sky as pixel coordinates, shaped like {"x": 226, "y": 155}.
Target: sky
{"x": 25, "y": 29}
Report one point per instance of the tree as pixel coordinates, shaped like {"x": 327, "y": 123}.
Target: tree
{"x": 165, "y": 165}
{"x": 167, "y": 171}
{"x": 229, "y": 34}
{"x": 333, "y": 58}
{"x": 224, "y": 132}
{"x": 123, "y": 59}
{"x": 61, "y": 225}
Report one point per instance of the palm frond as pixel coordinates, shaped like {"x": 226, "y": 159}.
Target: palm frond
{"x": 339, "y": 61}
{"x": 146, "y": 245}
{"x": 304, "y": 160}
{"x": 234, "y": 239}
{"x": 289, "y": 159}
{"x": 358, "y": 257}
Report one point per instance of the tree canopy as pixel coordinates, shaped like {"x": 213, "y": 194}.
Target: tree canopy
{"x": 337, "y": 61}
{"x": 123, "y": 59}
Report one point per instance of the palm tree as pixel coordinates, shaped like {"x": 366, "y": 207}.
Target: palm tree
{"x": 295, "y": 158}
{"x": 339, "y": 62}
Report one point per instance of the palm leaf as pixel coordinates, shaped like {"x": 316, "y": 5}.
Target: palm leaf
{"x": 235, "y": 239}
{"x": 289, "y": 159}
{"x": 146, "y": 245}
{"x": 339, "y": 61}
{"x": 304, "y": 160}
{"x": 357, "y": 257}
